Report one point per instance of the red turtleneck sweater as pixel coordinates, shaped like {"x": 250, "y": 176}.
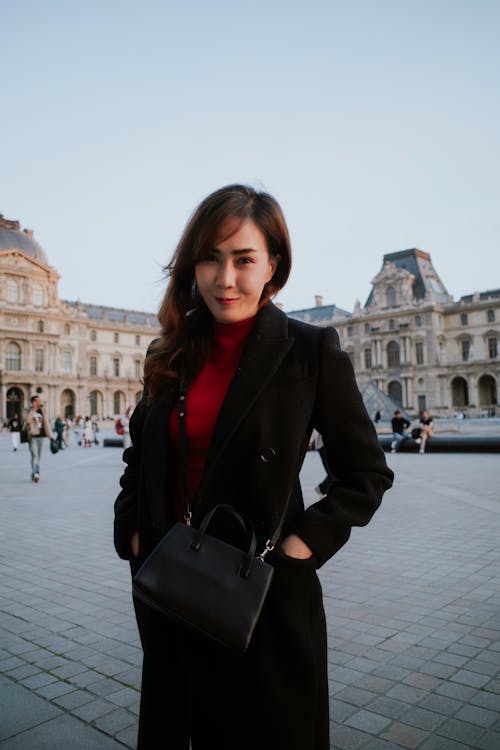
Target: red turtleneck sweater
{"x": 203, "y": 402}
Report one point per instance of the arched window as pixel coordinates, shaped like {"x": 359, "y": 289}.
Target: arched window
{"x": 391, "y": 296}
{"x": 93, "y": 365}
{"x": 368, "y": 359}
{"x": 395, "y": 392}
{"x": 418, "y": 321}
{"x": 12, "y": 290}
{"x": 39, "y": 326}
{"x": 95, "y": 403}
{"x": 67, "y": 329}
{"x": 37, "y": 295}
{"x": 491, "y": 316}
{"x": 487, "y": 391}
{"x": 459, "y": 392}
{"x": 464, "y": 319}
{"x": 117, "y": 402}
{"x": 393, "y": 354}
{"x": 13, "y": 356}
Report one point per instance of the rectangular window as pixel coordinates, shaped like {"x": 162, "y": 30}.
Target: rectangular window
{"x": 116, "y": 338}
{"x": 493, "y": 348}
{"x": 421, "y": 404}
{"x": 465, "y": 350}
{"x": 368, "y": 359}
{"x": 39, "y": 360}
{"x": 116, "y": 367}
{"x": 349, "y": 330}
{"x": 66, "y": 361}
{"x": 93, "y": 366}
{"x": 137, "y": 340}
{"x": 419, "y": 351}
{"x": 138, "y": 368}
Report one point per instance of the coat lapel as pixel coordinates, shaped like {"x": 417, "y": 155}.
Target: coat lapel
{"x": 267, "y": 345}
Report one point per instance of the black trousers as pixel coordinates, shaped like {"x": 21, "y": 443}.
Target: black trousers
{"x": 273, "y": 697}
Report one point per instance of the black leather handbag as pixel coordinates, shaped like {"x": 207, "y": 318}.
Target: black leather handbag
{"x": 201, "y": 581}
{"x": 205, "y": 583}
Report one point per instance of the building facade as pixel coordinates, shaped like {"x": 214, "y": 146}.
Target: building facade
{"x": 410, "y": 340}
{"x": 416, "y": 344}
{"x": 80, "y": 358}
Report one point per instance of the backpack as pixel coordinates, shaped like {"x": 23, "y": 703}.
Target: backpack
{"x": 119, "y": 427}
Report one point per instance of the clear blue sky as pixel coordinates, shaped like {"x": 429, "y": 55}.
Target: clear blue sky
{"x": 375, "y": 124}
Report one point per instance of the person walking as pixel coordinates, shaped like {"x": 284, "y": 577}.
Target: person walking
{"x": 59, "y": 428}
{"x": 88, "y": 433}
{"x": 399, "y": 426}
{"x": 14, "y": 426}
{"x": 257, "y": 383}
{"x": 426, "y": 429}
{"x": 38, "y": 427}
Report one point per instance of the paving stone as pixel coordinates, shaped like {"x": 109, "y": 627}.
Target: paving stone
{"x": 460, "y": 731}
{"x": 74, "y": 699}
{"x": 440, "y": 704}
{"x": 477, "y": 715}
{"x": 488, "y": 741}
{"x": 387, "y": 707}
{"x": 473, "y": 679}
{"x": 420, "y": 680}
{"x": 367, "y": 721}
{"x": 404, "y": 735}
{"x": 486, "y": 700}
{"x": 92, "y": 710}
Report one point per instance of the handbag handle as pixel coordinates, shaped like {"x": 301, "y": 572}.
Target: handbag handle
{"x": 247, "y": 525}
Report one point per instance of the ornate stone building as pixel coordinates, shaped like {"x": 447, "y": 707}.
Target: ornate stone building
{"x": 416, "y": 344}
{"x": 410, "y": 340}
{"x": 81, "y": 358}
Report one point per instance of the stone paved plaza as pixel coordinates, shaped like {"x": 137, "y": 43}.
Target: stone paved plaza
{"x": 413, "y": 606}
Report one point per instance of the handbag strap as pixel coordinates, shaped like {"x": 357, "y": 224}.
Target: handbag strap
{"x": 183, "y": 454}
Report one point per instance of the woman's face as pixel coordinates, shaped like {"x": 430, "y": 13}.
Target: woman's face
{"x": 232, "y": 276}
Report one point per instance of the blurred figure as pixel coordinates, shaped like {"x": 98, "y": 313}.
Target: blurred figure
{"x": 38, "y": 428}
{"x": 14, "y": 426}
{"x": 426, "y": 429}
{"x": 88, "y": 433}
{"x": 399, "y": 426}
{"x": 59, "y": 428}
{"x": 125, "y": 419}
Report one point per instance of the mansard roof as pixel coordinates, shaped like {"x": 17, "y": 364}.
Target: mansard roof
{"x": 116, "y": 314}
{"x": 481, "y": 296}
{"x": 426, "y": 281}
{"x": 319, "y": 314}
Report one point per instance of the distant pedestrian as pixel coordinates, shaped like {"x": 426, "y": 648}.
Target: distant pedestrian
{"x": 324, "y": 486}
{"x": 59, "y": 427}
{"x": 426, "y": 429}
{"x": 125, "y": 419}
{"x": 378, "y": 416}
{"x": 78, "y": 430}
{"x": 14, "y": 425}
{"x": 88, "y": 433}
{"x": 68, "y": 426}
{"x": 399, "y": 426}
{"x": 38, "y": 428}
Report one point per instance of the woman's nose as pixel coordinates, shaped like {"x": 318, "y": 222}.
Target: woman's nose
{"x": 225, "y": 274}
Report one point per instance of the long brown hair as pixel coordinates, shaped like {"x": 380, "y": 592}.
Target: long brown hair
{"x": 186, "y": 323}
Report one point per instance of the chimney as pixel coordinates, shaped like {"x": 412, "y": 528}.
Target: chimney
{"x": 319, "y": 300}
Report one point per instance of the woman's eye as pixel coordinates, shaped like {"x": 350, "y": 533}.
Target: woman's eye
{"x": 244, "y": 260}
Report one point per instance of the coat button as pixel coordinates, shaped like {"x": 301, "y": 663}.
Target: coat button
{"x": 267, "y": 454}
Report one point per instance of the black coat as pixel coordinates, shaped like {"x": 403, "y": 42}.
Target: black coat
{"x": 291, "y": 377}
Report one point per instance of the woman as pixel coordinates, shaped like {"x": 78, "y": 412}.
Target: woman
{"x": 426, "y": 429}
{"x": 258, "y": 383}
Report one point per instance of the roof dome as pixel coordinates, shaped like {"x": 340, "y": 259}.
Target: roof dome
{"x": 13, "y": 238}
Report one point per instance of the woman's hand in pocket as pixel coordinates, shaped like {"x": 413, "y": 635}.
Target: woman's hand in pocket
{"x": 293, "y": 546}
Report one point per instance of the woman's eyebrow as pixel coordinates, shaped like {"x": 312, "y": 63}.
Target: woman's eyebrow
{"x": 239, "y": 251}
